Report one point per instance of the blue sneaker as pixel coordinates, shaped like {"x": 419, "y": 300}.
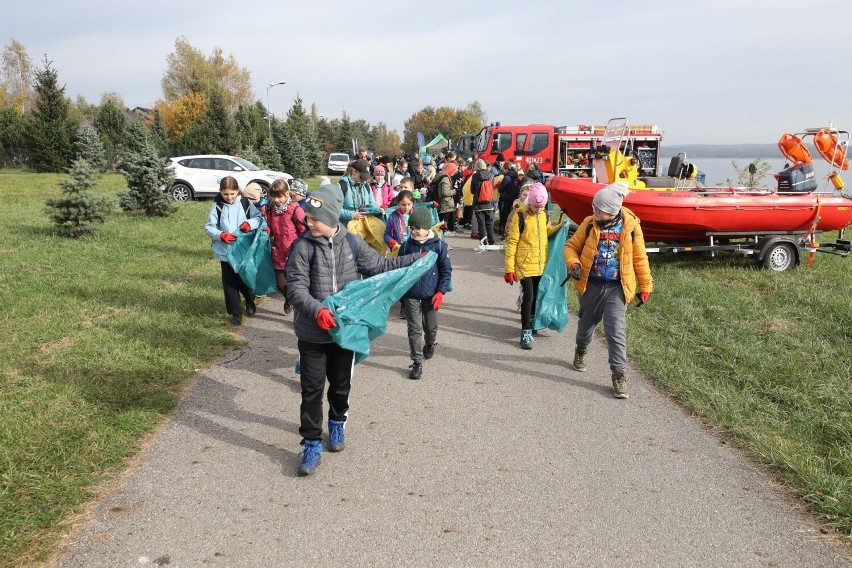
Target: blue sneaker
{"x": 311, "y": 455}
{"x": 526, "y": 339}
{"x": 336, "y": 441}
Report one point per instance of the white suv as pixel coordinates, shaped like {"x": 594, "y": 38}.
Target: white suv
{"x": 337, "y": 163}
{"x": 199, "y": 176}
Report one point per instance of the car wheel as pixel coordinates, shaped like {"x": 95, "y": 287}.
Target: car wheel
{"x": 264, "y": 191}
{"x": 181, "y": 192}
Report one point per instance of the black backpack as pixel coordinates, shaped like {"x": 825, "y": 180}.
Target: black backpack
{"x": 221, "y": 203}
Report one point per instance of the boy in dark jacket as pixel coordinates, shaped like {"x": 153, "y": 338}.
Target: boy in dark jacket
{"x": 422, "y": 302}
{"x": 321, "y": 261}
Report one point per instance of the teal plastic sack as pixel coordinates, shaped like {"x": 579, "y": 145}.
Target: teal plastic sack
{"x": 251, "y": 257}
{"x": 551, "y": 306}
{"x": 361, "y": 307}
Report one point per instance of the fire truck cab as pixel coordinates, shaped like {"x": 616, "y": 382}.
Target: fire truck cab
{"x": 563, "y": 150}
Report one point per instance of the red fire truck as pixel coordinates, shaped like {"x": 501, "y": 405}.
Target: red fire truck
{"x": 563, "y": 150}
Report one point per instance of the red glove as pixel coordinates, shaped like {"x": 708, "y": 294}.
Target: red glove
{"x": 438, "y": 300}
{"x": 509, "y": 277}
{"x": 245, "y": 227}
{"x": 435, "y": 204}
{"x": 643, "y": 297}
{"x": 325, "y": 319}
{"x": 575, "y": 271}
{"x": 392, "y": 244}
{"x": 423, "y": 253}
{"x": 227, "y": 237}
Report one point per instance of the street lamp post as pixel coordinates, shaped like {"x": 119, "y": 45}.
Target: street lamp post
{"x": 269, "y": 112}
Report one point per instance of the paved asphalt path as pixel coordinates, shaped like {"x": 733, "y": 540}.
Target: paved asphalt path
{"x": 497, "y": 457}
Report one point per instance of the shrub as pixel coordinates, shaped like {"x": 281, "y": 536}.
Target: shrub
{"x": 78, "y": 210}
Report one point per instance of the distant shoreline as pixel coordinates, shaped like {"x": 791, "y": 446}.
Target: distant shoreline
{"x": 723, "y": 150}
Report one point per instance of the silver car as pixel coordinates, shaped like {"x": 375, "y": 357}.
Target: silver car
{"x": 337, "y": 163}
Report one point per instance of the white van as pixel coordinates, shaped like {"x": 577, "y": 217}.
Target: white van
{"x": 337, "y": 163}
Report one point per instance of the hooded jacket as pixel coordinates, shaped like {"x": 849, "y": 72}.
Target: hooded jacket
{"x": 229, "y": 221}
{"x": 284, "y": 228}
{"x": 437, "y": 279}
{"x": 445, "y": 193}
{"x": 526, "y": 253}
{"x": 310, "y": 280}
{"x": 357, "y": 197}
{"x": 632, "y": 258}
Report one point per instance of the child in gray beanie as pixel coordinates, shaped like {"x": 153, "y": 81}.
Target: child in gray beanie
{"x": 606, "y": 257}
{"x": 321, "y": 262}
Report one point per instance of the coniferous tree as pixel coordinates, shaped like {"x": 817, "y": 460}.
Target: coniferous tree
{"x": 50, "y": 130}
{"x": 146, "y": 172}
{"x": 158, "y": 136}
{"x": 13, "y": 138}
{"x": 78, "y": 210}
{"x": 89, "y": 147}
{"x": 219, "y": 125}
{"x": 269, "y": 157}
{"x": 110, "y": 124}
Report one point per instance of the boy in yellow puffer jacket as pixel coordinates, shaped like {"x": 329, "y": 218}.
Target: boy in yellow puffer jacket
{"x": 526, "y": 253}
{"x": 606, "y": 257}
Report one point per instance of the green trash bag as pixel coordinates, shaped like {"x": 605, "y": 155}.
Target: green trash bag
{"x": 361, "y": 307}
{"x": 551, "y": 306}
{"x": 251, "y": 257}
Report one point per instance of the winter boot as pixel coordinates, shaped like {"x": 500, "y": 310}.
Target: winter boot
{"x": 526, "y": 339}
{"x": 336, "y": 434}
{"x": 580, "y": 359}
{"x": 416, "y": 370}
{"x": 619, "y": 385}
{"x": 311, "y": 456}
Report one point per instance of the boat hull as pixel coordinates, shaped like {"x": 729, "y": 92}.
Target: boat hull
{"x": 684, "y": 216}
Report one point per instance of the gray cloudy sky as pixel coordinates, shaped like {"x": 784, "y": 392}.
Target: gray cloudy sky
{"x": 727, "y": 71}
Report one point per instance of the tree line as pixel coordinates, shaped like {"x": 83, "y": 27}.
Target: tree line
{"x": 207, "y": 107}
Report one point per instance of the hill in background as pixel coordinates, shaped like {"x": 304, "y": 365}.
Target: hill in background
{"x": 723, "y": 150}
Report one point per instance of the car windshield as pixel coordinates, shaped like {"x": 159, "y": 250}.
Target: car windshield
{"x": 246, "y": 164}
{"x": 339, "y": 157}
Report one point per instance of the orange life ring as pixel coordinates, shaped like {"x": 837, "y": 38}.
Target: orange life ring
{"x": 794, "y": 149}
{"x": 832, "y": 152}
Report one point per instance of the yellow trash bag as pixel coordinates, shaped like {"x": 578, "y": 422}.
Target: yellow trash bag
{"x": 372, "y": 230}
{"x": 467, "y": 196}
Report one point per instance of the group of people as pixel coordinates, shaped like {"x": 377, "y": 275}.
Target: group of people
{"x": 315, "y": 256}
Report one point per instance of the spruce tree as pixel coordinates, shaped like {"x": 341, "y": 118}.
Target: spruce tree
{"x": 78, "y": 210}
{"x": 269, "y": 157}
{"x": 145, "y": 173}
{"x": 89, "y": 147}
{"x": 219, "y": 125}
{"x": 110, "y": 124}
{"x": 50, "y": 131}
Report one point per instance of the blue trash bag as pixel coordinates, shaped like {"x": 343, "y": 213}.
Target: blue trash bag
{"x": 361, "y": 307}
{"x": 251, "y": 257}
{"x": 551, "y": 306}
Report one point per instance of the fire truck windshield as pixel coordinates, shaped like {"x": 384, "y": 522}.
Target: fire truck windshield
{"x": 481, "y": 141}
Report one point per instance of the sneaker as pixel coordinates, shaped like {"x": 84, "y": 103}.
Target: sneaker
{"x": 402, "y": 313}
{"x": 336, "y": 435}
{"x": 311, "y": 456}
{"x": 580, "y": 359}
{"x": 428, "y": 350}
{"x": 526, "y": 339}
{"x": 288, "y": 308}
{"x": 251, "y": 308}
{"x": 416, "y": 370}
{"x": 236, "y": 320}
{"x": 474, "y": 236}
{"x": 619, "y": 385}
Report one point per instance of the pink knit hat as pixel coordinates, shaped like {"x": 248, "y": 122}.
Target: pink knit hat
{"x": 537, "y": 194}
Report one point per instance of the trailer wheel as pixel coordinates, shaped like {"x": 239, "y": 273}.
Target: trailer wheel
{"x": 779, "y": 257}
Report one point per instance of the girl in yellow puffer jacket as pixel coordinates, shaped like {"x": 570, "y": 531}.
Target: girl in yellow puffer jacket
{"x": 526, "y": 254}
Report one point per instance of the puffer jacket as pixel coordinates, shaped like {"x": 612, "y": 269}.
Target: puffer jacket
{"x": 632, "y": 258}
{"x": 437, "y": 279}
{"x": 357, "y": 197}
{"x": 446, "y": 193}
{"x": 526, "y": 253}
{"x": 284, "y": 228}
{"x": 333, "y": 266}
{"x": 229, "y": 221}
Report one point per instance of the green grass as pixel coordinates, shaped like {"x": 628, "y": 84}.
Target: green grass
{"x": 98, "y": 337}
{"x": 765, "y": 358}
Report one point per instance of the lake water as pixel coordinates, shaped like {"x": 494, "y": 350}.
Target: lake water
{"x": 718, "y": 170}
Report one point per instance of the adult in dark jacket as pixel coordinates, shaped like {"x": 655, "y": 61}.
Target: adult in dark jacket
{"x": 321, "y": 262}
{"x": 426, "y": 296}
{"x": 510, "y": 190}
{"x": 484, "y": 210}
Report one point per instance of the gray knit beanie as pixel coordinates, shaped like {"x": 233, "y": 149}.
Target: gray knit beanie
{"x": 610, "y": 198}
{"x": 325, "y": 204}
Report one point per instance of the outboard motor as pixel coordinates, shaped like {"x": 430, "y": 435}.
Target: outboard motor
{"x": 797, "y": 179}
